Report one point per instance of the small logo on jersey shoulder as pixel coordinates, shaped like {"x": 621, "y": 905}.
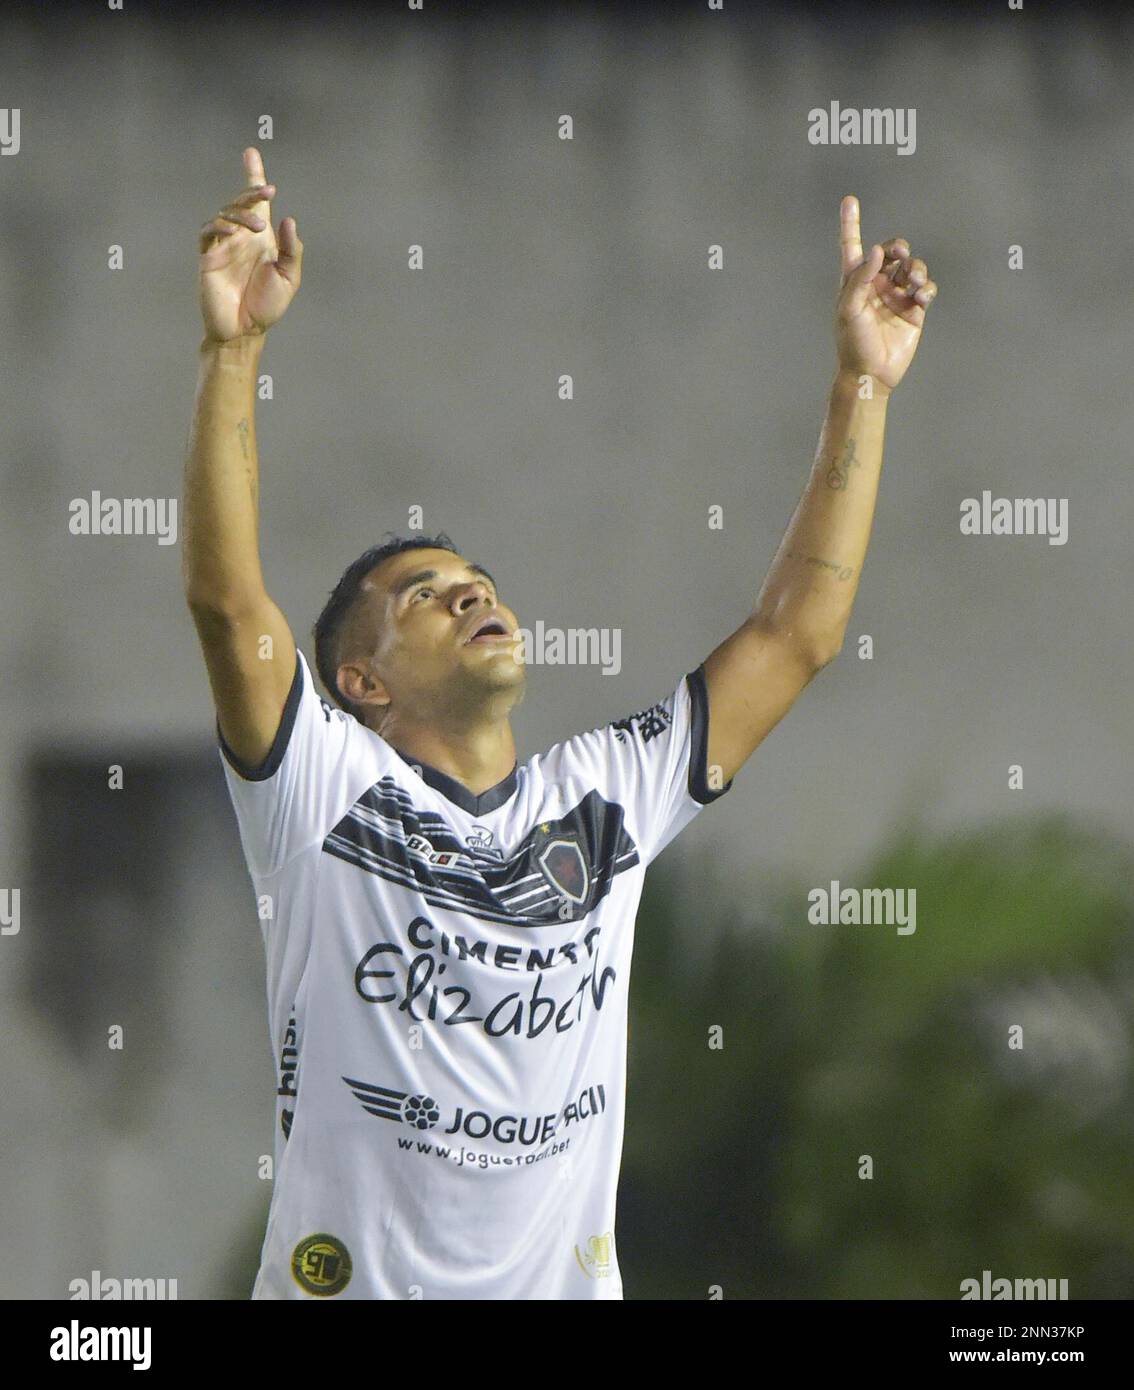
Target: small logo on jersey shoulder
{"x": 564, "y": 865}
{"x": 647, "y": 723}
{"x": 321, "y": 1265}
{"x": 595, "y": 1257}
{"x": 328, "y": 712}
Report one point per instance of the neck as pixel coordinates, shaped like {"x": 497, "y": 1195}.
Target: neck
{"x": 478, "y": 754}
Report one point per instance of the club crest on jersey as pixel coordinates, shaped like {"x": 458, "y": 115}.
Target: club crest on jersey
{"x": 595, "y": 1257}
{"x": 321, "y": 1265}
{"x": 564, "y": 865}
{"x": 419, "y": 845}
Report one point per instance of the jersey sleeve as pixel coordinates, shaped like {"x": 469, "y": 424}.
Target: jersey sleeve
{"x": 296, "y": 795}
{"x": 653, "y": 764}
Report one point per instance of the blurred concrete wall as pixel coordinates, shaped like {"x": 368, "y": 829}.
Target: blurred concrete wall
{"x": 694, "y": 388}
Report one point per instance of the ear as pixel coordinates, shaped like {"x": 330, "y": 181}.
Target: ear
{"x": 361, "y": 686}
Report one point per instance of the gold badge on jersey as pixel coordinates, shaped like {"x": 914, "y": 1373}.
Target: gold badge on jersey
{"x": 321, "y": 1265}
{"x": 594, "y": 1258}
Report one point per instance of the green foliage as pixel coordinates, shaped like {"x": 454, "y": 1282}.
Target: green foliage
{"x": 741, "y": 1165}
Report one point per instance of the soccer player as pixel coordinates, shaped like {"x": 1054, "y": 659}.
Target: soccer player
{"x": 448, "y": 932}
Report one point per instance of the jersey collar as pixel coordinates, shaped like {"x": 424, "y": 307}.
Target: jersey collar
{"x": 458, "y": 793}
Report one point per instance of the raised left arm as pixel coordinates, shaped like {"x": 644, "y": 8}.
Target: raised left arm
{"x": 755, "y": 676}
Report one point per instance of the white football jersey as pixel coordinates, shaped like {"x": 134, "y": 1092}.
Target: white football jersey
{"x": 447, "y": 990}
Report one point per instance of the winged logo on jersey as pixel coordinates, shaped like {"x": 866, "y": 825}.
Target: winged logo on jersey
{"x": 564, "y": 865}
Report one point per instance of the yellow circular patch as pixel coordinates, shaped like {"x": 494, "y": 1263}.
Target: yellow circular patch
{"x": 321, "y": 1265}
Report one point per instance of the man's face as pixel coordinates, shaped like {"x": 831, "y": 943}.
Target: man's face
{"x": 427, "y": 607}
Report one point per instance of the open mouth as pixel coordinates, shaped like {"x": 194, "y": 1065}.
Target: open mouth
{"x": 489, "y": 630}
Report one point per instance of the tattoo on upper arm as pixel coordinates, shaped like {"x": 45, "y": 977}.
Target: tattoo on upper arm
{"x": 242, "y": 431}
{"x": 841, "y": 572}
{"x": 839, "y": 472}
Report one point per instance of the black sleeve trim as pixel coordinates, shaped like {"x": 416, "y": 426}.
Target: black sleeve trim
{"x": 699, "y": 788}
{"x": 279, "y": 744}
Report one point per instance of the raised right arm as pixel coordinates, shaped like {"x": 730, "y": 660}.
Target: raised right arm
{"x": 246, "y": 284}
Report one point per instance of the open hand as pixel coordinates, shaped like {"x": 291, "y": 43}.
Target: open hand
{"x": 246, "y": 281}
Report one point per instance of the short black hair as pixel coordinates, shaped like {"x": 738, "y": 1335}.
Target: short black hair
{"x": 331, "y": 622}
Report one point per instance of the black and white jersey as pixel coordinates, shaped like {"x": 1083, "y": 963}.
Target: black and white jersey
{"x": 447, "y": 986}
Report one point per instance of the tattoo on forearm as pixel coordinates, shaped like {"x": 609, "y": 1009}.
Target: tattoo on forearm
{"x": 839, "y": 472}
{"x": 840, "y": 572}
{"x": 242, "y": 431}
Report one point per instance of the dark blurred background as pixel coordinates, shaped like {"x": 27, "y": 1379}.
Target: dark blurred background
{"x": 694, "y": 388}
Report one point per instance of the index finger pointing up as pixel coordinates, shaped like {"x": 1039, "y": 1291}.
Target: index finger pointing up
{"x": 253, "y": 167}
{"x": 850, "y": 234}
